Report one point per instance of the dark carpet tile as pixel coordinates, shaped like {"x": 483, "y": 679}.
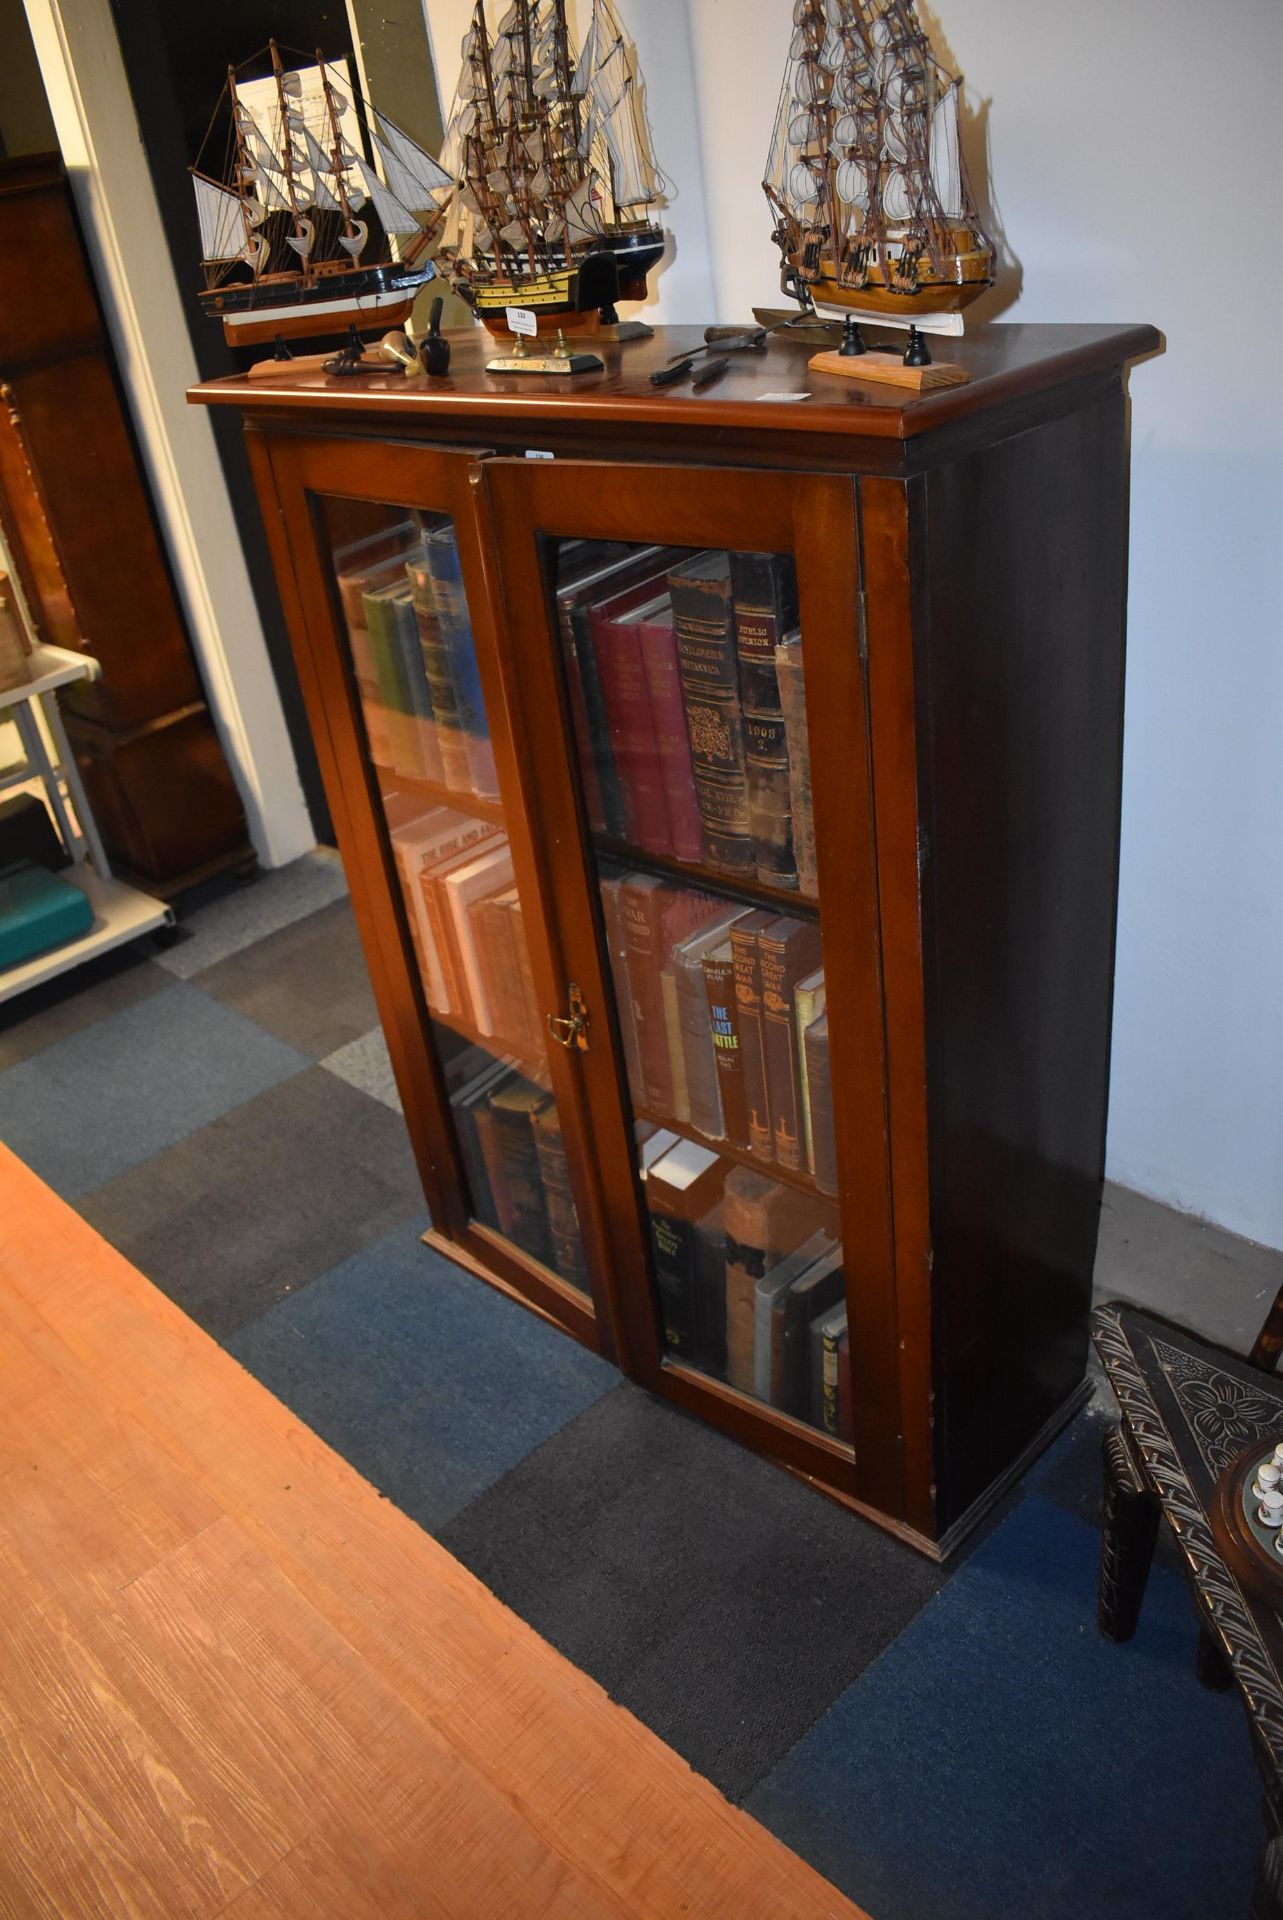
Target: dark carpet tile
{"x": 84, "y": 1110}
{"x": 1002, "y": 1760}
{"x": 75, "y": 1000}
{"x": 430, "y": 1382}
{"x": 724, "y": 1603}
{"x": 306, "y": 983}
{"x": 249, "y": 1209}
{"x": 1070, "y": 1473}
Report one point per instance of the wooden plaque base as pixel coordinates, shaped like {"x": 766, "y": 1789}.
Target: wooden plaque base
{"x": 888, "y": 369}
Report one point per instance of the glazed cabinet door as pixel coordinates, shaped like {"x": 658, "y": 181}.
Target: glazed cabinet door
{"x": 383, "y": 556}
{"x": 685, "y": 650}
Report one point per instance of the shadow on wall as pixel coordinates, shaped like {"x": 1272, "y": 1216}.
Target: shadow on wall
{"x": 973, "y": 134}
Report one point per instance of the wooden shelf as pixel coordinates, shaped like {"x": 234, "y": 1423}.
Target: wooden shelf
{"x": 496, "y": 1045}
{"x": 708, "y": 880}
{"x": 492, "y": 810}
{"x": 804, "y": 1182}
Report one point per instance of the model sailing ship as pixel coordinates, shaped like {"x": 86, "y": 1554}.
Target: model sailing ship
{"x": 296, "y": 226}
{"x": 552, "y": 174}
{"x": 874, "y": 212}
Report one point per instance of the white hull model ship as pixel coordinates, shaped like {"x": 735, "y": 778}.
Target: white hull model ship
{"x": 873, "y": 210}
{"x": 295, "y": 228}
{"x": 552, "y": 179}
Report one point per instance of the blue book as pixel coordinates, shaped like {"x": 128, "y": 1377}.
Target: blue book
{"x": 441, "y": 551}
{"x": 38, "y": 911}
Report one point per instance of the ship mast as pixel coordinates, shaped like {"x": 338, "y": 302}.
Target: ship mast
{"x": 257, "y": 246}
{"x": 301, "y": 238}
{"x": 355, "y": 232}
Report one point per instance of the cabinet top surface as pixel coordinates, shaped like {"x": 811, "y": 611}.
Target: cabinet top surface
{"x": 1004, "y": 363}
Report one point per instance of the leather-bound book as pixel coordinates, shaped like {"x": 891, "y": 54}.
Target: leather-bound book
{"x": 442, "y": 938}
{"x": 492, "y": 941}
{"x": 508, "y": 1147}
{"x": 792, "y": 680}
{"x": 456, "y": 773}
{"x": 441, "y": 551}
{"x": 703, "y": 1093}
{"x": 750, "y": 1020}
{"x": 657, "y": 638}
{"x": 563, "y": 1221}
{"x": 792, "y": 1312}
{"x": 774, "y": 1282}
{"x": 820, "y": 1092}
{"x": 808, "y": 1005}
{"x": 390, "y": 672}
{"x": 616, "y": 641}
{"x": 841, "y": 1371}
{"x": 657, "y": 915}
{"x": 362, "y": 566}
{"x": 764, "y": 589}
{"x": 611, "y": 889}
{"x": 787, "y": 951}
{"x": 827, "y": 1329}
{"x": 680, "y": 1110}
{"x": 467, "y": 1102}
{"x": 419, "y": 846}
{"x": 403, "y": 634}
{"x": 528, "y": 1030}
{"x": 463, "y": 887}
{"x": 704, "y": 621}
{"x": 682, "y": 1188}
{"x": 723, "y": 1023}
{"x": 764, "y": 1221}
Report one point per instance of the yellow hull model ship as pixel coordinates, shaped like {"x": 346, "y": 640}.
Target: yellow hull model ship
{"x": 874, "y": 213}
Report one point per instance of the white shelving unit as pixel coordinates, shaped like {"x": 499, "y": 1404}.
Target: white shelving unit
{"x": 121, "y": 913}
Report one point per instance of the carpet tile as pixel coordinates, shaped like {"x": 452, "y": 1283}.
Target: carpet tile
{"x": 83, "y": 1111}
{"x": 723, "y": 1602}
{"x": 306, "y": 983}
{"x": 73, "y": 1001}
{"x": 1001, "y": 1759}
{"x": 364, "y": 1063}
{"x": 258, "y": 1204}
{"x": 428, "y": 1381}
{"x": 241, "y": 914}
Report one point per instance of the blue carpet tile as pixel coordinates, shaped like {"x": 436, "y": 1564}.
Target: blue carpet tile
{"x": 82, "y": 1111}
{"x": 1002, "y": 1762}
{"x": 427, "y": 1380}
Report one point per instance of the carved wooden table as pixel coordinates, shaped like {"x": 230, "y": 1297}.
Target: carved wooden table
{"x": 1188, "y": 1411}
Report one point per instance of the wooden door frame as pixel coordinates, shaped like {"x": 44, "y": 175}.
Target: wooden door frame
{"x": 816, "y": 517}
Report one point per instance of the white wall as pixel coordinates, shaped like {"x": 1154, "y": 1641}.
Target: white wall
{"x": 1137, "y": 157}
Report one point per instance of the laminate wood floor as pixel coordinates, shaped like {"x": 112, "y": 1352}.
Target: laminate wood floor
{"x": 234, "y": 1680}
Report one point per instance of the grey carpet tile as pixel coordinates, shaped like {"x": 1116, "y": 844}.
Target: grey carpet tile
{"x": 306, "y": 983}
{"x": 364, "y": 1063}
{"x": 75, "y": 1000}
{"x": 261, "y": 1202}
{"x": 722, "y": 1602}
{"x": 86, "y": 1109}
{"x": 244, "y": 913}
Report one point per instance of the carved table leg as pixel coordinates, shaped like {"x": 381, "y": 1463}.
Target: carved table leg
{"x": 1210, "y": 1665}
{"x": 1128, "y": 1525}
{"x": 1267, "y": 1894}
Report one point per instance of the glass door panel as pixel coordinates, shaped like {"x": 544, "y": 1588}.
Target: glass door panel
{"x": 399, "y": 585}
{"x": 685, "y": 673}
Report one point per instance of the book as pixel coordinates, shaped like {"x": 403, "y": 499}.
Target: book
{"x": 443, "y": 940}
{"x": 456, "y": 772}
{"x": 764, "y": 1221}
{"x": 777, "y": 1279}
{"x": 826, "y": 1330}
{"x": 764, "y": 592}
{"x": 680, "y": 1109}
{"x": 512, "y": 1161}
{"x": 792, "y": 1312}
{"x": 490, "y": 872}
{"x": 531, "y": 1028}
{"x": 837, "y": 1384}
{"x": 492, "y": 940}
{"x": 703, "y": 1092}
{"x": 683, "y": 1193}
{"x": 392, "y": 674}
{"x": 702, "y": 616}
{"x": 750, "y": 1023}
{"x": 808, "y": 1005}
{"x": 372, "y": 561}
{"x": 792, "y": 683}
{"x": 411, "y": 668}
{"x": 611, "y": 890}
{"x": 787, "y": 950}
{"x": 719, "y": 990}
{"x": 820, "y": 1101}
{"x": 466, "y": 1101}
{"x": 441, "y": 552}
{"x": 656, "y": 915}
{"x": 616, "y": 643}
{"x": 421, "y": 840}
{"x": 657, "y": 640}
{"x": 563, "y": 1221}
{"x": 609, "y": 569}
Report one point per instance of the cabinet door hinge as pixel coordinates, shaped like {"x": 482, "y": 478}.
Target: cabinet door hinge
{"x": 571, "y": 1029}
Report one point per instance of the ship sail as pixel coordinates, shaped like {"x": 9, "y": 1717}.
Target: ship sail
{"x": 222, "y": 224}
{"x": 411, "y": 174}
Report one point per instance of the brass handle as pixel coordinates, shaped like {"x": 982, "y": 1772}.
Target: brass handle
{"x": 571, "y": 1029}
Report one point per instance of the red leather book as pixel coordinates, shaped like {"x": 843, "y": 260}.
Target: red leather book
{"x": 656, "y": 916}
{"x": 658, "y": 641}
{"x": 616, "y": 639}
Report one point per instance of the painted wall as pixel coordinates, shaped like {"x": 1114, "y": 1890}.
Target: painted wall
{"x": 1137, "y": 156}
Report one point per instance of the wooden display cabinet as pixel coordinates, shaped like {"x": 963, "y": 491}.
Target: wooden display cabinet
{"x": 960, "y": 565}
